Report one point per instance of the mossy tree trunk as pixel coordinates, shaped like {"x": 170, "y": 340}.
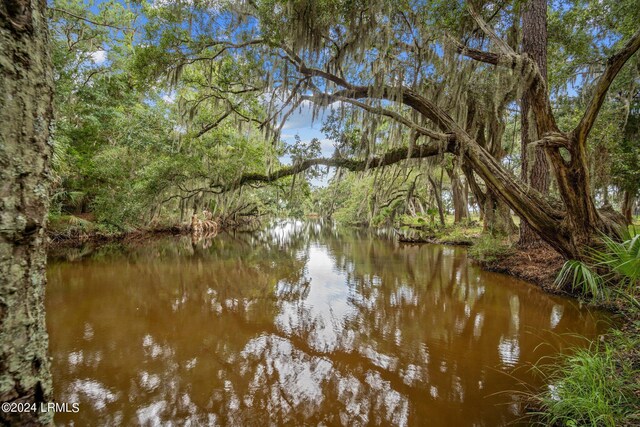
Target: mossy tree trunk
{"x": 458, "y": 196}
{"x": 25, "y": 115}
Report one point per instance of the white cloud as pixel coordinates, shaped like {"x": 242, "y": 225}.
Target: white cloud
{"x": 326, "y": 147}
{"x": 99, "y": 56}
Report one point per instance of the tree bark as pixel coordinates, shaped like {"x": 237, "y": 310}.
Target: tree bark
{"x": 535, "y": 170}
{"x": 627, "y": 206}
{"x": 26, "y": 88}
{"x": 437, "y": 193}
{"x": 460, "y": 205}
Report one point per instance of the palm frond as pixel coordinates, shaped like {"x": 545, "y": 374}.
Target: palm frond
{"x": 581, "y": 278}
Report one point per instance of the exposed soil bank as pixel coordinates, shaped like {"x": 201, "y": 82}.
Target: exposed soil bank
{"x": 539, "y": 265}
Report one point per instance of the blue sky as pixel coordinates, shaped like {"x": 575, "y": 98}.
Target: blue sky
{"x": 300, "y": 123}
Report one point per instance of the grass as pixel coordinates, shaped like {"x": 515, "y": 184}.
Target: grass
{"x": 596, "y": 386}
{"x": 488, "y": 249}
{"x": 600, "y": 385}
{"x": 466, "y": 233}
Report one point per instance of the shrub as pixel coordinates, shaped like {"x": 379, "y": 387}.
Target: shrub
{"x": 488, "y": 249}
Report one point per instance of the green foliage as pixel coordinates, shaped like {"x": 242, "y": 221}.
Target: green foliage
{"x": 595, "y": 386}
{"x": 615, "y": 267}
{"x": 583, "y": 280}
{"x": 621, "y": 258}
{"x": 598, "y": 386}
{"x": 349, "y": 199}
{"x": 488, "y": 248}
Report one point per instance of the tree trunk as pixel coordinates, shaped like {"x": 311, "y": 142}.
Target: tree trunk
{"x": 26, "y": 89}
{"x": 535, "y": 170}
{"x": 627, "y": 206}
{"x": 437, "y": 193}
{"x": 498, "y": 221}
{"x": 460, "y": 205}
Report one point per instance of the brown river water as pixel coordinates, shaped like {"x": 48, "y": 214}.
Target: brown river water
{"x": 300, "y": 324}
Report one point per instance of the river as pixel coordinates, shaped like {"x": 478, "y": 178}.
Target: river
{"x": 299, "y": 324}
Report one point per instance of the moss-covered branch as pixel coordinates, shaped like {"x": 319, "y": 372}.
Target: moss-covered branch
{"x": 389, "y": 158}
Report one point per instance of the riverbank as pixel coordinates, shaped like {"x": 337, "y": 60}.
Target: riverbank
{"x": 78, "y": 230}
{"x": 596, "y": 385}
{"x": 539, "y": 265}
{"x": 75, "y": 239}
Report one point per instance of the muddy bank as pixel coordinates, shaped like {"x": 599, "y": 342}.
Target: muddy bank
{"x": 539, "y": 265}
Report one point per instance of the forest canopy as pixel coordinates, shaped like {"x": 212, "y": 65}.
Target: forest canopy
{"x": 531, "y": 108}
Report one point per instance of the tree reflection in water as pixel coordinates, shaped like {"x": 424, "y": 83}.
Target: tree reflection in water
{"x": 300, "y": 323}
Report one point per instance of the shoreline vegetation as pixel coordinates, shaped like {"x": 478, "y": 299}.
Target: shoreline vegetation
{"x": 600, "y": 384}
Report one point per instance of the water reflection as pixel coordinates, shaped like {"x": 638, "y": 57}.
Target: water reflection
{"x": 300, "y": 323}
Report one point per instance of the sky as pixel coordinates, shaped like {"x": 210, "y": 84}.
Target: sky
{"x": 300, "y": 123}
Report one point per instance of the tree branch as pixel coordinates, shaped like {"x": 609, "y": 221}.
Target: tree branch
{"x": 82, "y": 18}
{"x": 614, "y": 64}
{"x": 210, "y": 126}
{"x": 503, "y": 47}
{"x": 391, "y": 157}
{"x": 478, "y": 55}
{"x": 329, "y": 99}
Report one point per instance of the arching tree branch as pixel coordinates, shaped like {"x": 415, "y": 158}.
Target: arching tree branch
{"x": 614, "y": 65}
{"x": 391, "y": 157}
{"x": 82, "y": 18}
{"x": 501, "y": 44}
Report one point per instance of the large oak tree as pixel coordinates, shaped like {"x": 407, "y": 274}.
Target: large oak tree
{"x": 420, "y": 66}
{"x": 26, "y": 88}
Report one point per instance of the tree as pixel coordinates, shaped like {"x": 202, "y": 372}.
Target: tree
{"x": 535, "y": 171}
{"x": 26, "y": 90}
{"x": 419, "y": 66}
{"x": 626, "y": 161}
